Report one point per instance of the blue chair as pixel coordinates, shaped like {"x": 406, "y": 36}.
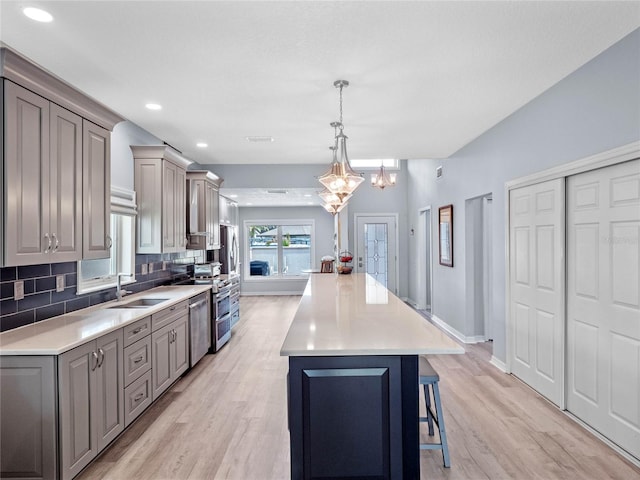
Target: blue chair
{"x": 429, "y": 380}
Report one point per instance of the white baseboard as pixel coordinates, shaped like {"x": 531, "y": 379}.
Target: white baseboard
{"x": 263, "y": 294}
{"x": 499, "y": 364}
{"x": 452, "y": 331}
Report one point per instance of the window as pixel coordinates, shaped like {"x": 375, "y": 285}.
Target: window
{"x": 102, "y": 273}
{"x": 278, "y": 249}
{"x": 374, "y": 163}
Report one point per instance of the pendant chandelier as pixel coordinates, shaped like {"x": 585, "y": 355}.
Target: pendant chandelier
{"x": 340, "y": 178}
{"x": 382, "y": 178}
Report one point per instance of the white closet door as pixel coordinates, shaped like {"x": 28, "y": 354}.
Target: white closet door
{"x": 603, "y": 304}
{"x": 536, "y": 242}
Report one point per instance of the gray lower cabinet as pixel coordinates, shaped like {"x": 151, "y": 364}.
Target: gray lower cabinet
{"x": 29, "y": 429}
{"x": 170, "y": 354}
{"x": 58, "y": 412}
{"x": 91, "y": 400}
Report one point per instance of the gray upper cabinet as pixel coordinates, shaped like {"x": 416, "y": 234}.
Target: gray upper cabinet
{"x": 203, "y": 223}
{"x": 160, "y": 185}
{"x": 26, "y": 170}
{"x": 97, "y": 191}
{"x": 228, "y": 211}
{"x": 52, "y": 136}
{"x": 91, "y": 400}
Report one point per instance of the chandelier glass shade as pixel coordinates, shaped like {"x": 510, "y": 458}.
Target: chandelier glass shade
{"x": 340, "y": 178}
{"x": 383, "y": 179}
{"x": 334, "y": 198}
{"x": 333, "y": 209}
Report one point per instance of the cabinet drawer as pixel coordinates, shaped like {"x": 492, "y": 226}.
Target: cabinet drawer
{"x": 168, "y": 315}
{"x": 137, "y": 359}
{"x": 137, "y": 397}
{"x": 137, "y": 330}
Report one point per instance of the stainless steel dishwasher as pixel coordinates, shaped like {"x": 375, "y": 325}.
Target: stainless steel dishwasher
{"x": 199, "y": 326}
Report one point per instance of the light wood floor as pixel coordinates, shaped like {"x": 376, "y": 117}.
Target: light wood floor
{"x": 226, "y": 419}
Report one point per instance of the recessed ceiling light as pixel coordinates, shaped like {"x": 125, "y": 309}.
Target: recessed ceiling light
{"x": 153, "y": 106}
{"x": 233, "y": 195}
{"x": 37, "y": 14}
{"x": 258, "y": 139}
{"x": 249, "y": 203}
{"x": 201, "y": 145}
{"x": 307, "y": 195}
{"x": 309, "y": 203}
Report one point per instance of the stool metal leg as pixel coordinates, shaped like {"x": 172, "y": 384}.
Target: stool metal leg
{"x": 427, "y": 400}
{"x": 440, "y": 423}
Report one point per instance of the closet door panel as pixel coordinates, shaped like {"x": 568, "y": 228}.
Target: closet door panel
{"x": 536, "y": 239}
{"x": 603, "y": 304}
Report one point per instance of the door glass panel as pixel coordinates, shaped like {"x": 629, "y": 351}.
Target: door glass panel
{"x": 376, "y": 247}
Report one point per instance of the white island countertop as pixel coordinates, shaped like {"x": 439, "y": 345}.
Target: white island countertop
{"x": 355, "y": 315}
{"x": 60, "y": 334}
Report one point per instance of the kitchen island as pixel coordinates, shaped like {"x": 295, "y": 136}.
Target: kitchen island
{"x": 353, "y": 351}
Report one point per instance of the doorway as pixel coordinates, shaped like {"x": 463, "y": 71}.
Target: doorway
{"x": 425, "y": 271}
{"x": 478, "y": 265}
{"x": 376, "y": 248}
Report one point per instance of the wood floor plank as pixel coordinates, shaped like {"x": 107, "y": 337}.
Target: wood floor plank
{"x": 227, "y": 419}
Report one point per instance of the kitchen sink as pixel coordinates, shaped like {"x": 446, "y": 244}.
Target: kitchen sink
{"x": 140, "y": 303}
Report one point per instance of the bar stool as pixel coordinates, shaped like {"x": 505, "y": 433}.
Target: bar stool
{"x": 429, "y": 378}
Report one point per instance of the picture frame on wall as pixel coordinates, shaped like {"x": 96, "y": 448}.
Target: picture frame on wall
{"x": 445, "y": 235}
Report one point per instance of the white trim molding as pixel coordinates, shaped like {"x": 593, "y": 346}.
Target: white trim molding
{"x": 499, "y": 364}
{"x": 452, "y": 331}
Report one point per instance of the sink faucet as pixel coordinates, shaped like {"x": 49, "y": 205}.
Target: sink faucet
{"x": 119, "y": 291}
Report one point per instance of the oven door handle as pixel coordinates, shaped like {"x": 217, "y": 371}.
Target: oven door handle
{"x": 222, "y": 295}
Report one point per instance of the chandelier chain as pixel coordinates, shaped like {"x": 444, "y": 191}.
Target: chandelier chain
{"x": 341, "y": 107}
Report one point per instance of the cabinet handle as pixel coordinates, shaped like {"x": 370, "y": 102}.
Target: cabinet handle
{"x": 109, "y": 241}
{"x": 137, "y": 330}
{"x": 55, "y": 249}
{"x": 171, "y": 309}
{"x": 138, "y": 397}
{"x": 101, "y": 352}
{"x": 95, "y": 357}
{"x": 138, "y": 359}
{"x": 197, "y": 304}
{"x": 48, "y": 238}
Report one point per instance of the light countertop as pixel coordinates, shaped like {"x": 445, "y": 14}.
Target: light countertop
{"x": 355, "y": 315}
{"x": 60, "y": 334}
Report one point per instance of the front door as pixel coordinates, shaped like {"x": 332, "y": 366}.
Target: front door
{"x": 376, "y": 248}
{"x": 603, "y": 301}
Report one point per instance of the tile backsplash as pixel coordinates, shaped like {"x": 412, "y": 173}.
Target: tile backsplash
{"x": 42, "y": 301}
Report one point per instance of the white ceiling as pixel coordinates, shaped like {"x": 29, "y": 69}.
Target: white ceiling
{"x": 426, "y": 77}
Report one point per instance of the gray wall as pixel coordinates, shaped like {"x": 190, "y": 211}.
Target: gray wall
{"x": 594, "y": 109}
{"x": 126, "y": 134}
{"x": 323, "y": 222}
